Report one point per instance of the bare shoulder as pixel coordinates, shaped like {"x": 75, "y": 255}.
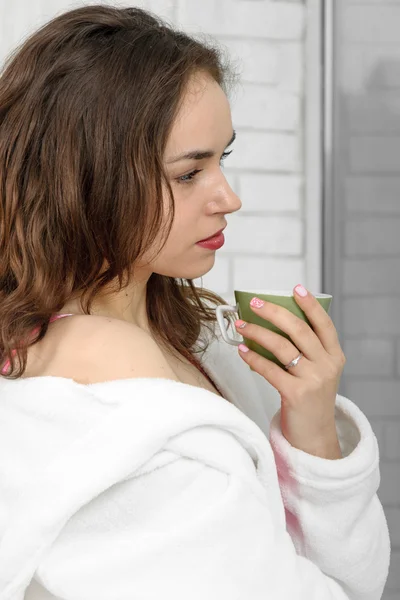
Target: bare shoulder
{"x": 92, "y": 349}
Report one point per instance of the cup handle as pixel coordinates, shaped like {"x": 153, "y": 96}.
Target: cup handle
{"x": 220, "y": 310}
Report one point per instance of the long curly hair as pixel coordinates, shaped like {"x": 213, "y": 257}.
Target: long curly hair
{"x": 86, "y": 106}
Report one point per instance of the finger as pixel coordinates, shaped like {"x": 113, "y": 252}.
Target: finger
{"x": 279, "y": 378}
{"x": 299, "y": 332}
{"x": 321, "y": 322}
{"x": 279, "y": 345}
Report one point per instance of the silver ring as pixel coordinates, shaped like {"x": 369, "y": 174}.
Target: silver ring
{"x": 294, "y": 361}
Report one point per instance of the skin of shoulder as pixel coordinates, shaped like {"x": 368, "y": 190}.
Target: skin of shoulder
{"x": 93, "y": 349}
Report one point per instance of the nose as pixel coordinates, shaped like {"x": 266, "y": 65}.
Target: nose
{"x": 225, "y": 199}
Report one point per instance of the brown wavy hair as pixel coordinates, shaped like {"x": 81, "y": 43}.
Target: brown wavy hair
{"x": 86, "y": 106}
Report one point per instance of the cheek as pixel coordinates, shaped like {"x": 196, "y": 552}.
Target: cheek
{"x": 181, "y": 234}
{"x": 188, "y": 211}
{"x": 190, "y": 207}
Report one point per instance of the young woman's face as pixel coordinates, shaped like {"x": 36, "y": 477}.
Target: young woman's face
{"x": 202, "y": 194}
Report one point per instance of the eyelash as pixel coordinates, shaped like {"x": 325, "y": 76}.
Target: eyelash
{"x": 192, "y": 174}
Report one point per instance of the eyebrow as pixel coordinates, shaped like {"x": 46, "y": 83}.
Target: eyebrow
{"x": 199, "y": 154}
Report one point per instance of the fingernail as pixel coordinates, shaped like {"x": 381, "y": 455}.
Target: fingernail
{"x": 243, "y": 348}
{"x": 256, "y": 303}
{"x": 300, "y": 290}
{"x": 240, "y": 324}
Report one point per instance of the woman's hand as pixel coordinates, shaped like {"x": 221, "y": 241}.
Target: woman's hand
{"x": 308, "y": 390}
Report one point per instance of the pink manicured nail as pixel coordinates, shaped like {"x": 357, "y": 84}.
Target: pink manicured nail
{"x": 301, "y": 291}
{"x": 240, "y": 324}
{"x": 243, "y": 348}
{"x": 256, "y": 303}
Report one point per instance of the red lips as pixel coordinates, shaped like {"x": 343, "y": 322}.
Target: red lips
{"x": 213, "y": 235}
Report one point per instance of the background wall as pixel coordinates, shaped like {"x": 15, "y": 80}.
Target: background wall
{"x": 266, "y": 243}
{"x": 363, "y": 230}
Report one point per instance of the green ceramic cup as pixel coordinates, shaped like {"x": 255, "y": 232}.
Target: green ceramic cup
{"x": 282, "y": 298}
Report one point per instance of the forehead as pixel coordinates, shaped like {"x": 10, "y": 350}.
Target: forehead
{"x": 204, "y": 117}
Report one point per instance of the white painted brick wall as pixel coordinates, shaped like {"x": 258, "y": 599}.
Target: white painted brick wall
{"x": 272, "y": 235}
{"x": 267, "y": 193}
{"x": 273, "y": 110}
{"x": 263, "y": 19}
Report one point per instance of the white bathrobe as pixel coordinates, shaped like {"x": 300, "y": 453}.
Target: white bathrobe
{"x": 150, "y": 489}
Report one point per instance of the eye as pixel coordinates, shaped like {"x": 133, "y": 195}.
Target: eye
{"x": 189, "y": 177}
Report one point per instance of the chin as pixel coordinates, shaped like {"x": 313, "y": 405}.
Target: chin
{"x": 194, "y": 270}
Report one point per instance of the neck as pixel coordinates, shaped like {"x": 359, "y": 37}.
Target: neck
{"x": 128, "y": 304}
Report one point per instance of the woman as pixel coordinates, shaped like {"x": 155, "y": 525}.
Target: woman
{"x": 129, "y": 467}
